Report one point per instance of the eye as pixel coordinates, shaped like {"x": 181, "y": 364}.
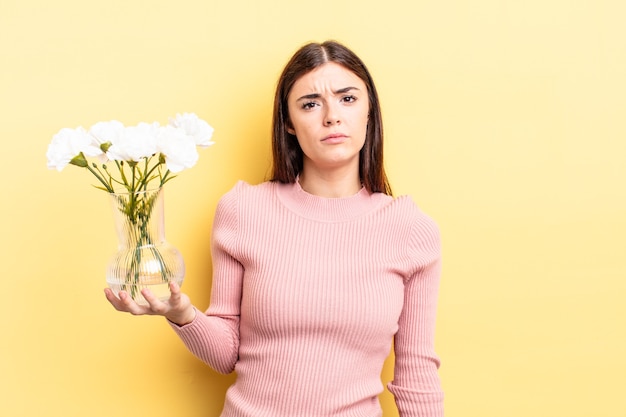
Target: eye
{"x": 348, "y": 99}
{"x": 309, "y": 105}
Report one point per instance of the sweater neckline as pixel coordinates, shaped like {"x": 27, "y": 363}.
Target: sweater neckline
{"x": 328, "y": 209}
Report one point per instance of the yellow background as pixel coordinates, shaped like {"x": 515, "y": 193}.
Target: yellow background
{"x": 505, "y": 120}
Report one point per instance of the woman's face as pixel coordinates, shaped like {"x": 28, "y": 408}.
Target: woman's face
{"x": 328, "y": 111}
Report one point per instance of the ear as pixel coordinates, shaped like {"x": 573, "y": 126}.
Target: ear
{"x": 290, "y": 128}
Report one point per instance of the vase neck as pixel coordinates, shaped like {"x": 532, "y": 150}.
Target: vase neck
{"x": 139, "y": 219}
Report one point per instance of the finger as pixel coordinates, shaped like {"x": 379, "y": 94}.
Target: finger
{"x": 174, "y": 293}
{"x": 129, "y": 305}
{"x": 174, "y": 287}
{"x": 112, "y": 298}
{"x": 155, "y": 305}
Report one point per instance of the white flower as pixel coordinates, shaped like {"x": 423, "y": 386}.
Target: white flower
{"x": 104, "y": 134}
{"x": 178, "y": 148}
{"x": 197, "y": 128}
{"x": 68, "y": 144}
{"x": 134, "y": 143}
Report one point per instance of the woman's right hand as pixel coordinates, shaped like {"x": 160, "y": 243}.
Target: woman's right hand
{"x": 177, "y": 308}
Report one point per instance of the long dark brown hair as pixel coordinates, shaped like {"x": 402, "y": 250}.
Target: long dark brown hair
{"x": 287, "y": 154}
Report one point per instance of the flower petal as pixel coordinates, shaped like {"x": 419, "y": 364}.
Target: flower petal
{"x": 195, "y": 127}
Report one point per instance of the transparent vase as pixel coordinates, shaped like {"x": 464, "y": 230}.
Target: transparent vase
{"x": 144, "y": 258}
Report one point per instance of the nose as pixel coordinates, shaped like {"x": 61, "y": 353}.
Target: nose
{"x": 331, "y": 116}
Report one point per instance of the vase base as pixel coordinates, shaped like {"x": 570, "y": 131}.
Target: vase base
{"x": 161, "y": 290}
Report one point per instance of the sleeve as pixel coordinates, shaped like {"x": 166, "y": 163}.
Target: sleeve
{"x": 214, "y": 336}
{"x": 416, "y": 385}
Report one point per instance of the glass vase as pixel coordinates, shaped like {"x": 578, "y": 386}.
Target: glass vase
{"x": 144, "y": 258}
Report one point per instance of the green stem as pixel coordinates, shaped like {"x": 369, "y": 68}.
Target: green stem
{"x": 112, "y": 179}
{"x": 165, "y": 179}
{"x": 110, "y": 182}
{"x": 132, "y": 188}
{"x": 95, "y": 173}
{"x": 120, "y": 167}
{"x": 148, "y": 174}
{"x": 145, "y": 174}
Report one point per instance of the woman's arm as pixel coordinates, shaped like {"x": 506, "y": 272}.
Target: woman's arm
{"x": 416, "y": 385}
{"x": 214, "y": 336}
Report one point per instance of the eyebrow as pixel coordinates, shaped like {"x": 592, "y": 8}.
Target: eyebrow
{"x": 318, "y": 95}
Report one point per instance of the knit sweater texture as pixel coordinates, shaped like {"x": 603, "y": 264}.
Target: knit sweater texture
{"x": 308, "y": 294}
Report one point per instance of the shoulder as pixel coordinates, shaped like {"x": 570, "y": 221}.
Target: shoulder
{"x": 422, "y": 238}
{"x": 405, "y": 208}
{"x": 236, "y": 205}
{"x": 243, "y": 195}
{"x": 423, "y": 235}
{"x": 245, "y": 190}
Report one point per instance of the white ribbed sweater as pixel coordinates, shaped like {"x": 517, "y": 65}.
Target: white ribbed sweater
{"x": 307, "y": 295}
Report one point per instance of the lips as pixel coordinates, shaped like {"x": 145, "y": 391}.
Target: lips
{"x": 334, "y": 138}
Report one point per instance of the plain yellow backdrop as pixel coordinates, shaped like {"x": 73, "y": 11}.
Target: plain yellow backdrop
{"x": 505, "y": 119}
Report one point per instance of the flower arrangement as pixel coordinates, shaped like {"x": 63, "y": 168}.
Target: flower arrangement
{"x": 138, "y": 152}
{"x": 133, "y": 164}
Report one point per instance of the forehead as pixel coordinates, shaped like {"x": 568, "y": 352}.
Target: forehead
{"x": 331, "y": 76}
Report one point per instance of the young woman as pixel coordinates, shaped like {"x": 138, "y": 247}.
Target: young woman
{"x": 317, "y": 270}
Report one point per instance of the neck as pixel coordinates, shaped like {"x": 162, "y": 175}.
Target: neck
{"x": 333, "y": 184}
